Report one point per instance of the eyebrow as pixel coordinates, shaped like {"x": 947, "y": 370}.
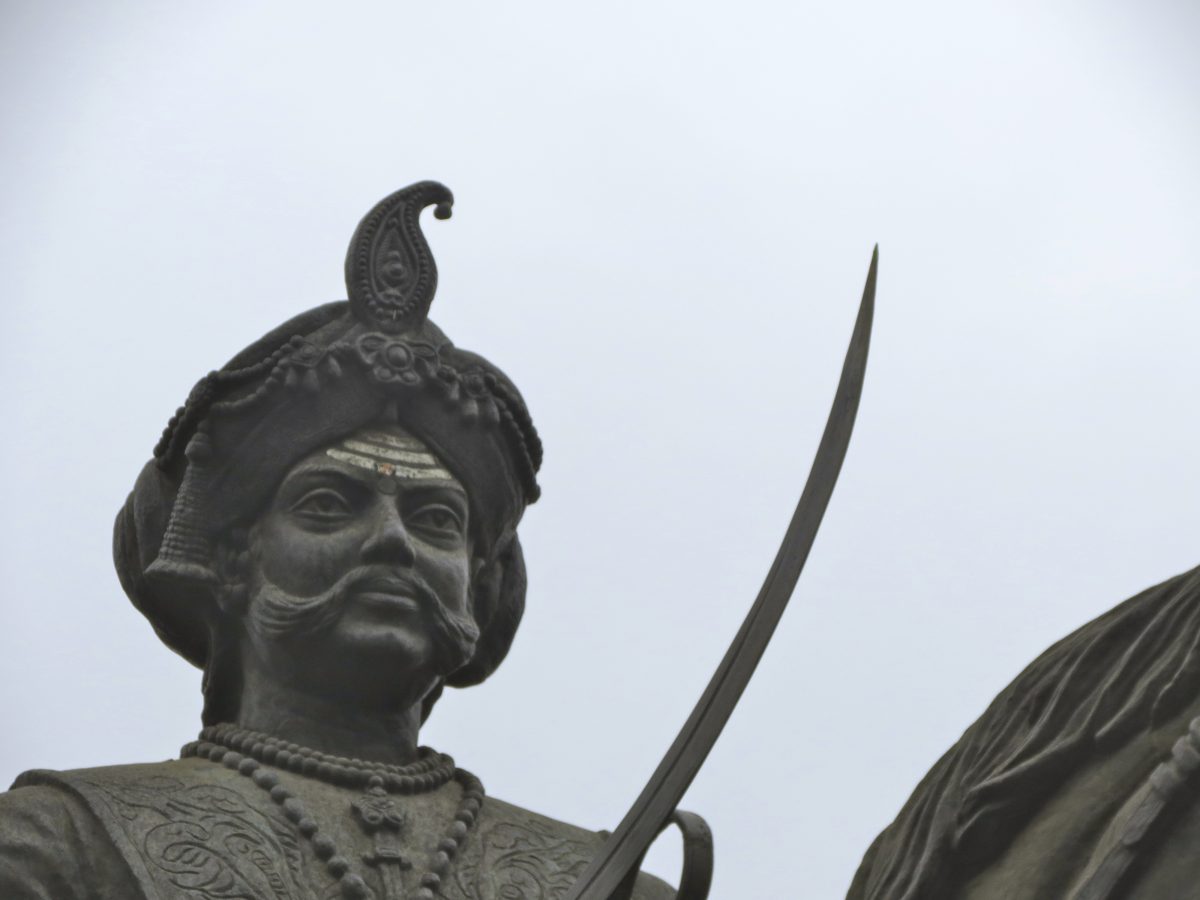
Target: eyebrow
{"x": 439, "y": 486}
{"x": 319, "y": 468}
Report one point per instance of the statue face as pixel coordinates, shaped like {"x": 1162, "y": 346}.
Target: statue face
{"x": 360, "y": 568}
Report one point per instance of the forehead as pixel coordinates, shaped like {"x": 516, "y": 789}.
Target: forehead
{"x": 388, "y": 451}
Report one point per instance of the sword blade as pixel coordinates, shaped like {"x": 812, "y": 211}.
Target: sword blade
{"x": 641, "y": 825}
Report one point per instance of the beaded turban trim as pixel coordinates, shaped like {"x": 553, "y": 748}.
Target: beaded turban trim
{"x": 314, "y": 381}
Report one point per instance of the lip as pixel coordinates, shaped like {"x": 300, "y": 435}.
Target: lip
{"x": 390, "y": 592}
{"x": 391, "y": 601}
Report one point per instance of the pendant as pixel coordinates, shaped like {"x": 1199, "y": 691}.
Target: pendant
{"x": 383, "y": 820}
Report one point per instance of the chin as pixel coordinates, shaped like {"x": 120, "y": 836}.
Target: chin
{"x": 399, "y": 646}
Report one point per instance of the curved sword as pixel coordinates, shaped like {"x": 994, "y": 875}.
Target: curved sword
{"x": 641, "y": 825}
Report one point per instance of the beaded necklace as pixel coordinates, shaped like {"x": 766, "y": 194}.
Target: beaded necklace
{"x": 248, "y": 753}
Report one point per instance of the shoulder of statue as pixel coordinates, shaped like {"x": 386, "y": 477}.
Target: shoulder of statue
{"x": 187, "y": 769}
{"x": 60, "y": 838}
{"x": 51, "y": 845}
{"x": 150, "y": 810}
{"x": 497, "y": 813}
{"x": 129, "y": 782}
{"x": 511, "y": 844}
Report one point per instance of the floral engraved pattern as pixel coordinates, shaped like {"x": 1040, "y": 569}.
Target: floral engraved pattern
{"x": 392, "y": 359}
{"x": 376, "y": 809}
{"x": 219, "y": 858}
{"x": 396, "y": 361}
{"x": 306, "y": 354}
{"x": 478, "y": 400}
{"x": 522, "y": 861}
{"x": 205, "y": 842}
{"x": 395, "y": 270}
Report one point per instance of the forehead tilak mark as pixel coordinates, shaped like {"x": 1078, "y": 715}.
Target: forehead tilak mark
{"x": 392, "y": 455}
{"x": 418, "y": 457}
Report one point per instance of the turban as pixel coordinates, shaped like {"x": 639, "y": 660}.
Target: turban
{"x": 313, "y": 380}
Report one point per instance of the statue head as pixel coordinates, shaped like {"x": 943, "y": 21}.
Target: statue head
{"x": 340, "y": 501}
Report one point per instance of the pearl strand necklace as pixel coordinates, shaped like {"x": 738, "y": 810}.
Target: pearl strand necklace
{"x": 224, "y": 744}
{"x": 430, "y": 771}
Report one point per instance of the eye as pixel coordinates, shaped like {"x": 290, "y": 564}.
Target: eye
{"x": 437, "y": 519}
{"x": 322, "y": 505}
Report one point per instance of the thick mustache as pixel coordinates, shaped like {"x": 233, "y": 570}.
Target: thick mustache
{"x": 279, "y": 613}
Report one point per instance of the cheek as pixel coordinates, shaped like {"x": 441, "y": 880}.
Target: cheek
{"x": 449, "y": 575}
{"x": 301, "y": 562}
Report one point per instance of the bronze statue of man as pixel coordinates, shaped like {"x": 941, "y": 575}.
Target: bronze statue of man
{"x": 328, "y": 528}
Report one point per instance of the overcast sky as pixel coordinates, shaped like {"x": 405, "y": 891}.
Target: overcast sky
{"x": 665, "y": 213}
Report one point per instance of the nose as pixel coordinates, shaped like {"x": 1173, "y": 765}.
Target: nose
{"x": 390, "y": 543}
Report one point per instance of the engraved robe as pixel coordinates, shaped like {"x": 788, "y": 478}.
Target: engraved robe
{"x": 194, "y": 830}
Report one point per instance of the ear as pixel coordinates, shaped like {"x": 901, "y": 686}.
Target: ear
{"x": 498, "y": 596}
{"x": 478, "y": 565}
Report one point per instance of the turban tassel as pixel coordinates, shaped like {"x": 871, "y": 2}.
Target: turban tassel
{"x": 185, "y": 553}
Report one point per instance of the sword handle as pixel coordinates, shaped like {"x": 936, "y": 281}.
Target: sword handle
{"x": 696, "y": 877}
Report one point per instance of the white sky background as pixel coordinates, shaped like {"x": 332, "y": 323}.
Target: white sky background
{"x": 664, "y": 218}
